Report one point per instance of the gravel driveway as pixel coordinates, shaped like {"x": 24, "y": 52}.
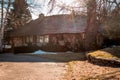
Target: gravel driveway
{"x": 25, "y": 67}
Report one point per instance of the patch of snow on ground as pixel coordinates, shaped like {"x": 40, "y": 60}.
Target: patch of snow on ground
{"x": 43, "y": 52}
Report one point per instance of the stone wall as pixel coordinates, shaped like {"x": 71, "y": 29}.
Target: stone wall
{"x": 73, "y": 42}
{"x": 103, "y": 62}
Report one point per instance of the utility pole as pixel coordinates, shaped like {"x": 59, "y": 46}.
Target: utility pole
{"x": 1, "y": 27}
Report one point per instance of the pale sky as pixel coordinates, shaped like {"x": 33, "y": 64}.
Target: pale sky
{"x": 45, "y": 8}
{"x": 42, "y": 7}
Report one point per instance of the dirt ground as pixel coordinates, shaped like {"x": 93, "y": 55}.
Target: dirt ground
{"x": 23, "y": 67}
{"x": 83, "y": 70}
{"x": 63, "y": 66}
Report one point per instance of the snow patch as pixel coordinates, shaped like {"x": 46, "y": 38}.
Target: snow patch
{"x": 43, "y": 52}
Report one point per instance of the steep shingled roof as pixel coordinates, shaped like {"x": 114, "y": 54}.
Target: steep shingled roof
{"x": 55, "y": 24}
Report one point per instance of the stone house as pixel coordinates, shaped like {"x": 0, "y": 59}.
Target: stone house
{"x": 53, "y": 33}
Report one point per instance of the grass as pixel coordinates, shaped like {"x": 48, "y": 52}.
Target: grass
{"x": 101, "y": 54}
{"x": 107, "y": 53}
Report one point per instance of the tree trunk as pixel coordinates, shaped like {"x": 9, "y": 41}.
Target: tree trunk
{"x": 20, "y": 6}
{"x": 1, "y": 27}
{"x": 20, "y": 15}
{"x": 91, "y": 29}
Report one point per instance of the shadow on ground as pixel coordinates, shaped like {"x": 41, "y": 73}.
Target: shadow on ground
{"x": 115, "y": 51}
{"x": 60, "y": 57}
{"x": 108, "y": 76}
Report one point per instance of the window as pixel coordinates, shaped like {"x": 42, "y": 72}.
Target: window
{"x": 83, "y": 35}
{"x": 46, "y": 38}
{"x": 41, "y": 39}
{"x": 31, "y": 39}
{"x": 27, "y": 39}
{"x": 38, "y": 39}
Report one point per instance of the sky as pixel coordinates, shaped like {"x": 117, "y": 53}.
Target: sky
{"x": 44, "y": 8}
{"x": 41, "y": 6}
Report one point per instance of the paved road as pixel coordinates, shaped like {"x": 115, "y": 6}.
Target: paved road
{"x": 25, "y": 67}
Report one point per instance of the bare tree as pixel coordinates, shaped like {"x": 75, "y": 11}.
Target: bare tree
{"x": 14, "y": 17}
{"x": 1, "y": 28}
{"x": 112, "y": 26}
{"x": 92, "y": 28}
{"x": 19, "y": 15}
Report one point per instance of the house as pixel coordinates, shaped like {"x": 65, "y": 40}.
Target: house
{"x": 52, "y": 33}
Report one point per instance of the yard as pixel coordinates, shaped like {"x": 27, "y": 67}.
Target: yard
{"x": 57, "y": 66}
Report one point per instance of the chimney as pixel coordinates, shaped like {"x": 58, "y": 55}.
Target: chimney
{"x": 41, "y": 16}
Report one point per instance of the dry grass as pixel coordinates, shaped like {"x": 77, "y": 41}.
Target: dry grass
{"x": 103, "y": 54}
{"x": 83, "y": 70}
{"x": 107, "y": 53}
